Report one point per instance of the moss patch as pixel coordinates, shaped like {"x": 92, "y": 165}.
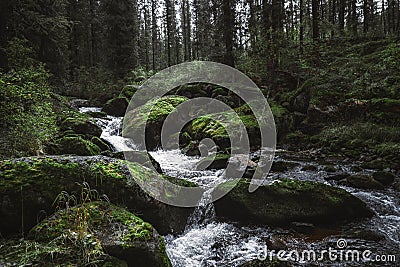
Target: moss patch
{"x": 287, "y": 201}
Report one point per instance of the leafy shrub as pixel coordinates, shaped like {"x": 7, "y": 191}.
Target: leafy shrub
{"x": 26, "y": 111}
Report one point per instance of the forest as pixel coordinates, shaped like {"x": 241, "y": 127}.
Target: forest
{"x": 72, "y": 167}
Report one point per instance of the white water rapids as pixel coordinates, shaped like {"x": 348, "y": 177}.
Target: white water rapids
{"x": 209, "y": 242}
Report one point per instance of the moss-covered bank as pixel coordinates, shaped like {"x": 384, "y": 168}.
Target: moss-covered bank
{"x": 29, "y": 186}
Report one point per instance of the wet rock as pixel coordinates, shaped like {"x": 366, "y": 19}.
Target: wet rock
{"x": 142, "y": 157}
{"x": 287, "y": 201}
{"x": 356, "y": 168}
{"x": 276, "y": 243}
{"x": 97, "y": 114}
{"x": 266, "y": 263}
{"x": 192, "y": 149}
{"x": 330, "y": 168}
{"x": 385, "y": 178}
{"x": 364, "y": 182}
{"x": 282, "y": 166}
{"x": 303, "y": 228}
{"x": 79, "y": 103}
{"x": 367, "y": 235}
{"x": 309, "y": 168}
{"x": 100, "y": 143}
{"x": 116, "y": 107}
{"x": 29, "y": 186}
{"x": 216, "y": 162}
{"x": 337, "y": 177}
{"x": 377, "y": 164}
{"x": 109, "y": 229}
{"x": 81, "y": 126}
{"x": 396, "y": 186}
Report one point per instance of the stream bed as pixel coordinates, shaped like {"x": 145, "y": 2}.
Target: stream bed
{"x": 207, "y": 241}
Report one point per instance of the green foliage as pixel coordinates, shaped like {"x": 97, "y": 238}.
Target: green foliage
{"x": 358, "y": 137}
{"x": 28, "y": 121}
{"x": 20, "y": 55}
{"x": 391, "y": 57}
{"x": 138, "y": 76}
{"x": 95, "y": 83}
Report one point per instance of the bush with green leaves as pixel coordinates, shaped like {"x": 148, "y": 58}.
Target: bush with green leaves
{"x": 28, "y": 121}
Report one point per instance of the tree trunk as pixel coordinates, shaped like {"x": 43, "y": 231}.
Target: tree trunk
{"x": 315, "y": 19}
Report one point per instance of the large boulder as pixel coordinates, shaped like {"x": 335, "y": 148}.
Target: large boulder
{"x": 116, "y": 107}
{"x": 142, "y": 157}
{"x": 209, "y": 127}
{"x": 75, "y": 145}
{"x": 363, "y": 182}
{"x": 81, "y": 126}
{"x": 112, "y": 230}
{"x": 150, "y": 116}
{"x": 218, "y": 161}
{"x": 385, "y": 178}
{"x": 29, "y": 186}
{"x": 287, "y": 201}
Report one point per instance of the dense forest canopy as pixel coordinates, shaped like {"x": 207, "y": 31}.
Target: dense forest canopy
{"x": 113, "y": 37}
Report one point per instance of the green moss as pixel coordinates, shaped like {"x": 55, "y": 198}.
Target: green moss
{"x": 60, "y": 252}
{"x": 76, "y": 145}
{"x": 288, "y": 200}
{"x": 377, "y": 138}
{"x": 37, "y": 172}
{"x": 128, "y": 91}
{"x": 151, "y": 114}
{"x": 82, "y": 229}
{"x": 93, "y": 215}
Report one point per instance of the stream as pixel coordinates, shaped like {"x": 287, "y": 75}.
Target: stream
{"x": 207, "y": 241}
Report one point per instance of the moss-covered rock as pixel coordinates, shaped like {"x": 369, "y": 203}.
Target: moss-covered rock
{"x": 364, "y": 182}
{"x": 81, "y": 126}
{"x": 100, "y": 143}
{"x": 209, "y": 127}
{"x": 142, "y": 157}
{"x": 385, "y": 178}
{"x": 151, "y": 116}
{"x": 129, "y": 90}
{"x": 287, "y": 201}
{"x": 97, "y": 114}
{"x": 282, "y": 166}
{"x": 116, "y": 107}
{"x": 118, "y": 232}
{"x": 193, "y": 90}
{"x": 218, "y": 161}
{"x": 309, "y": 167}
{"x": 75, "y": 145}
{"x": 330, "y": 168}
{"x": 29, "y": 186}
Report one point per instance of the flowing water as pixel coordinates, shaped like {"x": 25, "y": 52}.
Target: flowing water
{"x": 209, "y": 242}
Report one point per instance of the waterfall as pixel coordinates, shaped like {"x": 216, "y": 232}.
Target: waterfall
{"x": 209, "y": 242}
